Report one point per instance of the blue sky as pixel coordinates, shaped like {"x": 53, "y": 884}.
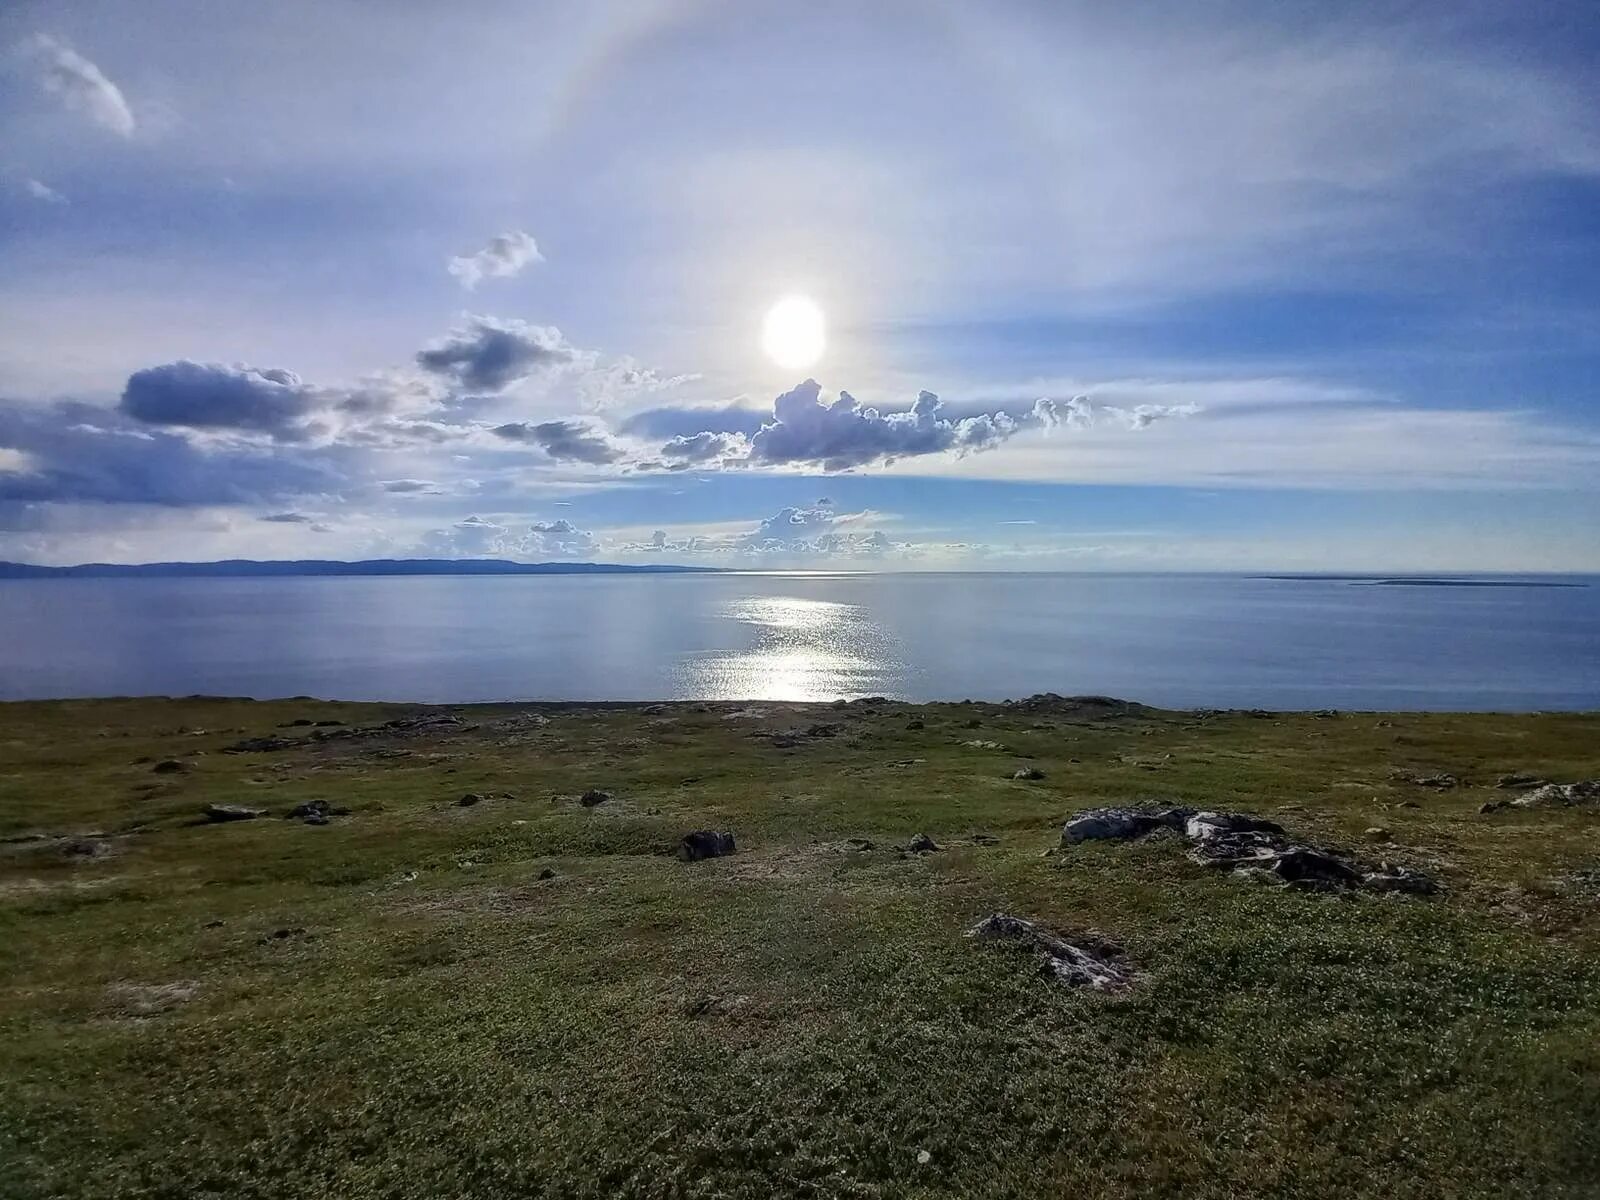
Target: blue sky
{"x": 1198, "y": 286}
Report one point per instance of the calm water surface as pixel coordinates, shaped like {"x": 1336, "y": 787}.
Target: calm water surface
{"x": 1222, "y": 641}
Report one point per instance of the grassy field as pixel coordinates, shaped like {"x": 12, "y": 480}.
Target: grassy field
{"x": 531, "y": 997}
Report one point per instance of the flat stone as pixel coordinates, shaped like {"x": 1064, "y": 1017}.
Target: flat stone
{"x": 593, "y": 797}
{"x": 1029, "y": 773}
{"x": 469, "y": 800}
{"x": 1584, "y": 791}
{"x": 1086, "y": 962}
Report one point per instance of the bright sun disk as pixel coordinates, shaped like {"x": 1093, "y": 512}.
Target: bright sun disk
{"x": 793, "y": 335}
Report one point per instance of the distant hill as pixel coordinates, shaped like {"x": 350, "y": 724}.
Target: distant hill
{"x": 245, "y": 568}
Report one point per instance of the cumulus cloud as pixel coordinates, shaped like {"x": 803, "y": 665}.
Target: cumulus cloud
{"x": 198, "y": 395}
{"x": 504, "y": 257}
{"x": 43, "y": 192}
{"x": 489, "y": 354}
{"x": 791, "y": 533}
{"x": 705, "y": 447}
{"x": 478, "y": 537}
{"x": 565, "y": 441}
{"x": 847, "y": 433}
{"x": 79, "y": 84}
{"x": 686, "y": 422}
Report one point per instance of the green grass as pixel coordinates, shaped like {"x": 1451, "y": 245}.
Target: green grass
{"x": 802, "y": 1018}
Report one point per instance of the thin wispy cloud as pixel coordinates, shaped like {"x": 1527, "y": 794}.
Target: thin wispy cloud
{"x": 79, "y": 84}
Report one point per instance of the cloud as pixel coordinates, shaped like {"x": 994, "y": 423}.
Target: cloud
{"x": 79, "y": 84}
{"x": 289, "y": 518}
{"x": 43, "y": 192}
{"x": 846, "y": 433}
{"x": 199, "y": 395}
{"x": 565, "y": 441}
{"x": 82, "y": 453}
{"x": 478, "y": 537}
{"x": 687, "y": 422}
{"x": 489, "y": 354}
{"x": 705, "y": 447}
{"x": 504, "y": 257}
{"x": 407, "y": 487}
{"x": 792, "y": 533}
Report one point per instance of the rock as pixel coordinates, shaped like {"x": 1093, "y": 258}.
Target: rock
{"x": 1440, "y": 781}
{"x": 593, "y": 797}
{"x": 914, "y": 724}
{"x": 220, "y": 813}
{"x": 1377, "y": 833}
{"x": 1032, "y": 773}
{"x": 1489, "y": 806}
{"x": 296, "y": 723}
{"x": 985, "y": 839}
{"x": 1391, "y": 878}
{"x": 1118, "y": 824}
{"x": 705, "y": 843}
{"x": 653, "y": 710}
{"x": 1303, "y": 865}
{"x": 823, "y": 730}
{"x": 841, "y": 703}
{"x": 1088, "y": 963}
{"x": 1203, "y": 826}
{"x": 980, "y": 744}
{"x": 1584, "y": 791}
{"x": 547, "y": 873}
{"x": 315, "y": 812}
{"x": 469, "y": 800}
{"x": 859, "y": 843}
{"x": 262, "y": 744}
{"x": 1520, "y": 780}
{"x": 921, "y": 843}
{"x": 169, "y": 766}
{"x": 923, "y": 1158}
{"x": 972, "y": 723}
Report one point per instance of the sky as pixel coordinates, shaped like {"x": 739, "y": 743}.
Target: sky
{"x": 1186, "y": 286}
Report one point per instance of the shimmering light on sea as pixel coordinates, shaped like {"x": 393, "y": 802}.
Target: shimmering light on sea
{"x": 797, "y": 649}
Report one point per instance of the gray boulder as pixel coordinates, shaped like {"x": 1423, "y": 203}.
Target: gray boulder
{"x": 221, "y": 813}
{"x": 1087, "y": 962}
{"x": 1120, "y": 824}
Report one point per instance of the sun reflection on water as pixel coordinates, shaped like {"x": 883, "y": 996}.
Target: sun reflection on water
{"x": 795, "y": 649}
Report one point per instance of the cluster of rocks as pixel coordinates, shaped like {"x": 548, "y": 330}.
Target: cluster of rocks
{"x": 310, "y": 812}
{"x": 401, "y": 726}
{"x": 1547, "y": 795}
{"x": 1086, "y": 962}
{"x": 1247, "y": 845}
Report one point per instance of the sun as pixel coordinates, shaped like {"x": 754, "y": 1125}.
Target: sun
{"x": 794, "y": 333}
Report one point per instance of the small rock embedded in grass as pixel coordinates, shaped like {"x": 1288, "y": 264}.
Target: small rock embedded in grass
{"x": 315, "y": 812}
{"x": 1377, "y": 833}
{"x": 923, "y": 1158}
{"x": 981, "y": 744}
{"x": 593, "y": 797}
{"x": 705, "y": 843}
{"x": 1028, "y": 773}
{"x": 921, "y": 843}
{"x": 547, "y": 873}
{"x": 169, "y": 766}
{"x": 859, "y": 843}
{"x": 914, "y": 724}
{"x": 223, "y": 813}
{"x": 1089, "y": 962}
{"x": 469, "y": 800}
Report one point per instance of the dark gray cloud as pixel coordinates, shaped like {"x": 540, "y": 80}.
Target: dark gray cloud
{"x": 705, "y": 447}
{"x": 848, "y": 434}
{"x": 505, "y": 255}
{"x": 565, "y": 441}
{"x": 423, "y": 487}
{"x": 79, "y": 84}
{"x": 289, "y": 518}
{"x": 199, "y": 395}
{"x": 82, "y": 453}
{"x": 488, "y": 354}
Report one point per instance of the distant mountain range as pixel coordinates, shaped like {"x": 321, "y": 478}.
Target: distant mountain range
{"x": 246, "y": 567}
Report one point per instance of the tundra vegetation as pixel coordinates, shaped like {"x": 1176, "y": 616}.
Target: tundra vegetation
{"x": 304, "y": 949}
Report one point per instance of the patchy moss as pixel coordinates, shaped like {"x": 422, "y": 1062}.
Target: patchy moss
{"x": 528, "y": 996}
